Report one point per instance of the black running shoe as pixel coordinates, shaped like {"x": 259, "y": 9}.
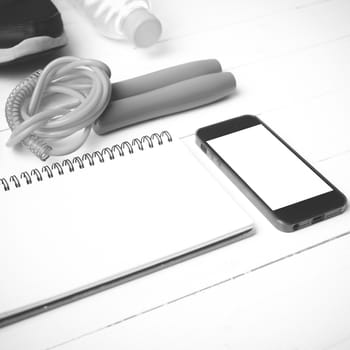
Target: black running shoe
{"x": 29, "y": 27}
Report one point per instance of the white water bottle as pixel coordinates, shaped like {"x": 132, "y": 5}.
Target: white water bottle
{"x": 123, "y": 19}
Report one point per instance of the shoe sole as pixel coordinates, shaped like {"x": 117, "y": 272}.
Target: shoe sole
{"x": 30, "y": 47}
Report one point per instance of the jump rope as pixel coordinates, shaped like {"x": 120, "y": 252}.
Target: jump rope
{"x": 91, "y": 101}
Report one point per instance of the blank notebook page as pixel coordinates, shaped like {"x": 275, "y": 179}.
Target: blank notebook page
{"x": 106, "y": 220}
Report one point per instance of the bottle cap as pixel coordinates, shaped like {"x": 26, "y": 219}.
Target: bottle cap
{"x": 142, "y": 27}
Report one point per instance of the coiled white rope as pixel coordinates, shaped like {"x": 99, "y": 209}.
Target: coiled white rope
{"x": 61, "y": 129}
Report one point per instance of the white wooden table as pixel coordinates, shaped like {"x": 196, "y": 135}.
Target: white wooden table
{"x": 274, "y": 290}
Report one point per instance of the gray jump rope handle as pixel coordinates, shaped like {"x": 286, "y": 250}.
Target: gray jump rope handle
{"x": 166, "y": 100}
{"x": 164, "y": 77}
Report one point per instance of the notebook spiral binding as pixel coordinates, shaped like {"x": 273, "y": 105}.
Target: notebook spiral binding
{"x": 59, "y": 168}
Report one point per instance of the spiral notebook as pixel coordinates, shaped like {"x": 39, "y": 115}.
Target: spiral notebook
{"x": 86, "y": 224}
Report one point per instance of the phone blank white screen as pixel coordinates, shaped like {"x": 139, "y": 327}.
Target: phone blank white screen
{"x": 269, "y": 168}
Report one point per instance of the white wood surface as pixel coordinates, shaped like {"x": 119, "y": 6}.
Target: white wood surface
{"x": 291, "y": 59}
